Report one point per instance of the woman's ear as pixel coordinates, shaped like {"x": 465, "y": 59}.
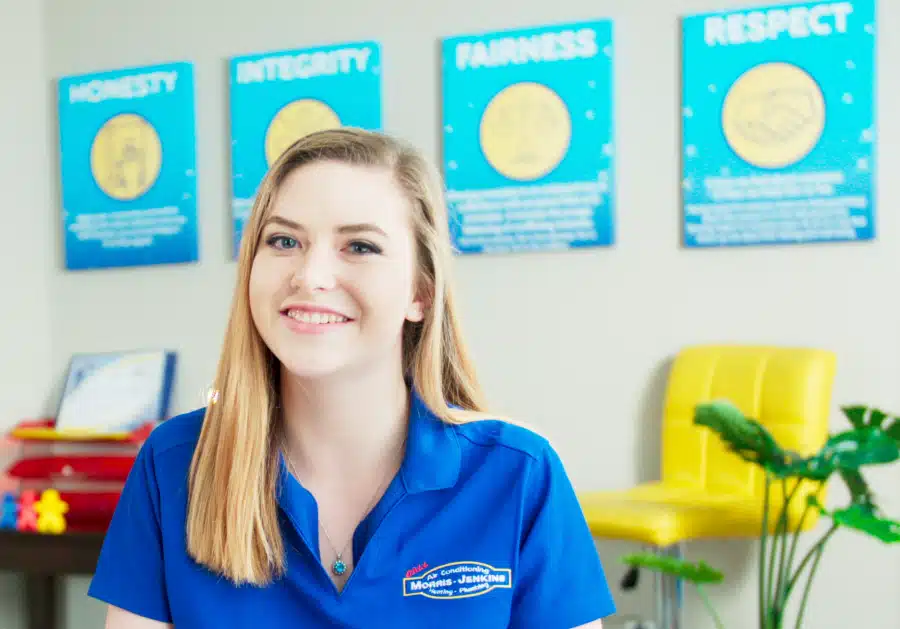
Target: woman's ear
{"x": 416, "y": 311}
{"x": 419, "y": 305}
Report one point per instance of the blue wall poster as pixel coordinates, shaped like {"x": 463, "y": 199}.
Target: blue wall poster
{"x": 279, "y": 97}
{"x": 778, "y": 125}
{"x": 127, "y": 164}
{"x": 528, "y": 138}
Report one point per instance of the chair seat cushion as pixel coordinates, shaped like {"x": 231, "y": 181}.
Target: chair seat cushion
{"x": 661, "y": 515}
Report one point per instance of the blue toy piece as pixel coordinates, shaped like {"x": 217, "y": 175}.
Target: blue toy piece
{"x": 9, "y": 511}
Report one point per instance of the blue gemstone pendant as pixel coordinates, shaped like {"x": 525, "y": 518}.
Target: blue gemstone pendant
{"x": 338, "y": 567}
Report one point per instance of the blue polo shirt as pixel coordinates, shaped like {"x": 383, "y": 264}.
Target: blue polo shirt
{"x": 480, "y": 528}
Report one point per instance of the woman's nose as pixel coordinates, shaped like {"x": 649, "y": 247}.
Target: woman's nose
{"x": 316, "y": 270}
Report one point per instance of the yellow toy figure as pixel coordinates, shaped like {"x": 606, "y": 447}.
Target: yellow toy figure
{"x": 51, "y": 510}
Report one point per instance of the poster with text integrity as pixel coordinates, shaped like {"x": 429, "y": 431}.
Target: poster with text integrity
{"x": 778, "y": 125}
{"x": 127, "y": 163}
{"x": 528, "y": 138}
{"x": 279, "y": 97}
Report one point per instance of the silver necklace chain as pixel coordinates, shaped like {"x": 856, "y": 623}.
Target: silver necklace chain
{"x": 338, "y": 566}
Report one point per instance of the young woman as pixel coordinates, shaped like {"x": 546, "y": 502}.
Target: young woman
{"x": 344, "y": 473}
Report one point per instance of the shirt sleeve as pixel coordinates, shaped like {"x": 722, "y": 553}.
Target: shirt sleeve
{"x": 130, "y": 572}
{"x": 561, "y": 582}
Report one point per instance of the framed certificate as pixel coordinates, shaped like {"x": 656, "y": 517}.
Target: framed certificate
{"x": 116, "y": 392}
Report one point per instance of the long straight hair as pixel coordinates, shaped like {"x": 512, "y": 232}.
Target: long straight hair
{"x": 232, "y": 517}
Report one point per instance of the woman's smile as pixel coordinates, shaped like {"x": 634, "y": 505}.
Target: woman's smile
{"x": 313, "y": 320}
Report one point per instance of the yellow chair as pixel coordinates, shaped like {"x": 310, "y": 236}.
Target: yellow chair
{"x": 707, "y": 491}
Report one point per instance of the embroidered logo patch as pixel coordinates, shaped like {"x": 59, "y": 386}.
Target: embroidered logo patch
{"x": 460, "y": 579}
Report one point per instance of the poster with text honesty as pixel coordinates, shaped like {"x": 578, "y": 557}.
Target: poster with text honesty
{"x": 779, "y": 125}
{"x": 127, "y": 163}
{"x": 528, "y": 138}
{"x": 279, "y": 97}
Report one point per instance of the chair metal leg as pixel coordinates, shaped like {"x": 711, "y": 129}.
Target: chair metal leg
{"x": 669, "y": 593}
{"x": 660, "y": 597}
{"x": 678, "y": 609}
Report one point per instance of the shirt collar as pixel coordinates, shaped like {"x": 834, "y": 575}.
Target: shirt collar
{"x": 432, "y": 460}
{"x": 433, "y": 456}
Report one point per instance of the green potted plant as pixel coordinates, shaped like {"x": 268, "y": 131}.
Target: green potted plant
{"x": 873, "y": 438}
{"x": 698, "y": 574}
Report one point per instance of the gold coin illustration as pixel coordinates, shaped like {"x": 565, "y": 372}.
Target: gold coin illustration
{"x": 525, "y": 131}
{"x": 126, "y": 156}
{"x": 773, "y": 115}
{"x": 295, "y": 120}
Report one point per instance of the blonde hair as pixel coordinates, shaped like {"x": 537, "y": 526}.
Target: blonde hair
{"x": 232, "y": 517}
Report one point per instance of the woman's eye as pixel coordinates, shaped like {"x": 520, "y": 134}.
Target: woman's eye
{"x": 363, "y": 248}
{"x": 281, "y": 242}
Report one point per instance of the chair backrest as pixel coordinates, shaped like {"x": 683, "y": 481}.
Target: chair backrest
{"x": 788, "y": 390}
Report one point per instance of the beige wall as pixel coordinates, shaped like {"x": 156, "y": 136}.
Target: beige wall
{"x": 598, "y": 326}
{"x": 28, "y": 240}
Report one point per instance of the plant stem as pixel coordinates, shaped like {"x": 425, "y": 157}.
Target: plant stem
{"x": 794, "y": 542}
{"x": 786, "y": 560}
{"x": 712, "y": 611}
{"x": 808, "y": 588}
{"x": 809, "y": 555}
{"x": 763, "y": 589}
{"x": 775, "y": 607}
{"x": 776, "y": 554}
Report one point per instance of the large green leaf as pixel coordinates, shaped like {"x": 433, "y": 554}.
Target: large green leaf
{"x": 816, "y": 468}
{"x": 863, "y": 520}
{"x": 744, "y": 436}
{"x": 846, "y": 451}
{"x": 698, "y": 573}
{"x": 876, "y": 417}
{"x": 860, "y": 493}
{"x": 856, "y": 448}
{"x": 855, "y": 414}
{"x": 861, "y": 416}
{"x": 893, "y": 429}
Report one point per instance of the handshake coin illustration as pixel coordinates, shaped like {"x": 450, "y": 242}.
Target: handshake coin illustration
{"x": 773, "y": 115}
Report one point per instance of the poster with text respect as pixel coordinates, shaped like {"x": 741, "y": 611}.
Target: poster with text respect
{"x": 778, "y": 116}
